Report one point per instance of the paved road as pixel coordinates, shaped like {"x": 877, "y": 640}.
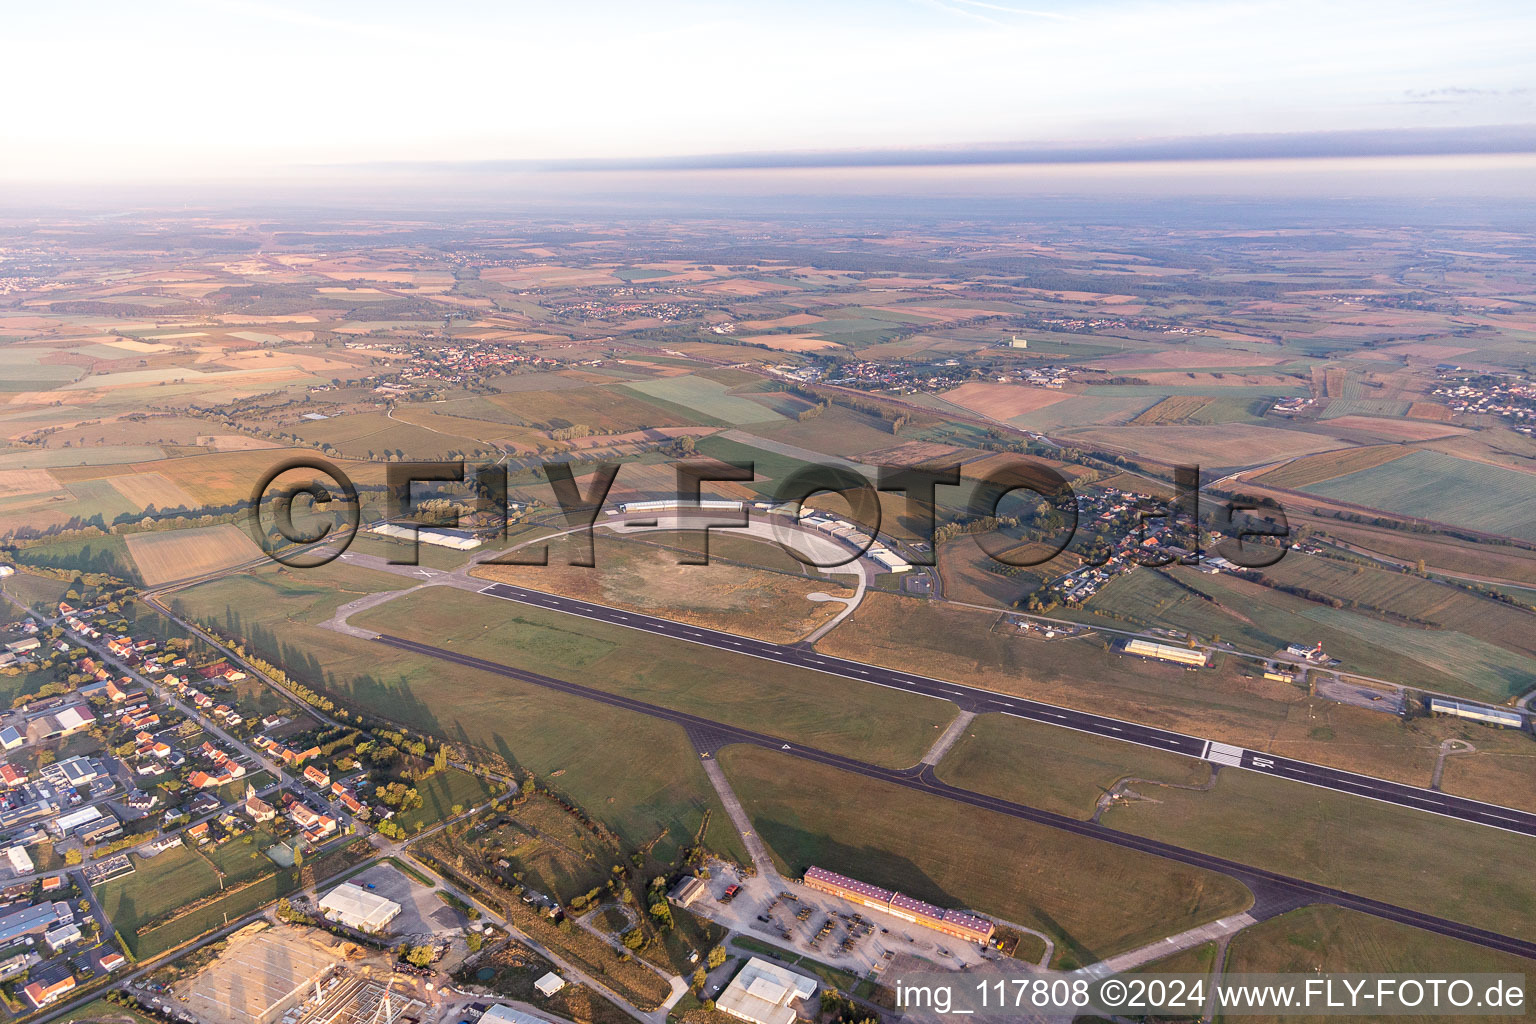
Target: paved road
{"x": 979, "y": 700}
{"x": 1274, "y": 892}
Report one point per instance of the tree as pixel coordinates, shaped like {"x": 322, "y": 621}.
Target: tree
{"x": 72, "y": 856}
{"x": 700, "y": 976}
{"x": 716, "y": 957}
{"x": 419, "y": 956}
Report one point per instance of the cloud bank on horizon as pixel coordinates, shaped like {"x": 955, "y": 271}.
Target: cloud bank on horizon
{"x": 246, "y": 88}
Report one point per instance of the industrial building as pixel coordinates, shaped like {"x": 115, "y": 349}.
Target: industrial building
{"x": 356, "y": 907}
{"x": 427, "y": 535}
{"x": 1477, "y": 712}
{"x": 673, "y": 505}
{"x": 1167, "y": 652}
{"x": 764, "y": 993}
{"x": 33, "y": 920}
{"x": 951, "y": 922}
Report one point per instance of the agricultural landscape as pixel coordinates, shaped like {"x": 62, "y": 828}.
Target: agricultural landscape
{"x": 539, "y": 717}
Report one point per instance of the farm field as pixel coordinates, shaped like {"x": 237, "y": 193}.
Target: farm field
{"x": 1305, "y": 472}
{"x": 1094, "y": 899}
{"x": 177, "y": 554}
{"x": 1002, "y": 401}
{"x": 1430, "y": 485}
{"x": 1328, "y": 939}
{"x": 1200, "y": 409}
{"x": 630, "y": 574}
{"x": 1218, "y": 445}
{"x": 1372, "y": 849}
{"x": 1412, "y": 596}
{"x": 1055, "y": 769}
{"x": 710, "y": 398}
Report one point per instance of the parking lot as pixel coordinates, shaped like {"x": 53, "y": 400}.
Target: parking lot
{"x": 423, "y": 915}
{"x": 834, "y": 931}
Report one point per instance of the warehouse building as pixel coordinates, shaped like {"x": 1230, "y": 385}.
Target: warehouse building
{"x": 765, "y": 993}
{"x": 357, "y": 908}
{"x": 951, "y": 922}
{"x": 1477, "y": 712}
{"x": 1167, "y": 652}
{"x": 455, "y": 539}
{"x": 687, "y": 891}
{"x": 673, "y": 505}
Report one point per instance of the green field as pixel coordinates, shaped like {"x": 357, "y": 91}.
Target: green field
{"x": 1093, "y": 899}
{"x": 52, "y": 458}
{"x": 158, "y": 886}
{"x": 1052, "y": 768}
{"x": 705, "y": 396}
{"x": 1430, "y": 485}
{"x": 1331, "y": 939}
{"x": 1450, "y": 868}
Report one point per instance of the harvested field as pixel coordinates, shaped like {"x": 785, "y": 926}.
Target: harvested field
{"x": 1388, "y": 429}
{"x": 146, "y": 489}
{"x": 234, "y": 442}
{"x": 1183, "y": 359}
{"x": 789, "y": 342}
{"x": 1223, "y": 445}
{"x": 1304, "y": 472}
{"x": 1002, "y": 401}
{"x": 162, "y": 557}
{"x": 15, "y": 482}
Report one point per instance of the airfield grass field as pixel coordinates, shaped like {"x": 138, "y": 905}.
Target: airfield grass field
{"x": 1372, "y": 849}
{"x": 1095, "y": 900}
{"x": 750, "y": 602}
{"x": 1443, "y": 488}
{"x": 1327, "y": 939}
{"x": 1228, "y": 702}
{"x": 1055, "y": 769}
{"x": 854, "y": 718}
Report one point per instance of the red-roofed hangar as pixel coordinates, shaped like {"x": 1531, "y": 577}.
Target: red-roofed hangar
{"x": 950, "y": 922}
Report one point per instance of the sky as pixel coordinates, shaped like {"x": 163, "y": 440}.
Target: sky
{"x": 249, "y": 89}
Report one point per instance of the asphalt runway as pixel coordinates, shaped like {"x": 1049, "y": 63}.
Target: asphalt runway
{"x": 978, "y": 700}
{"x": 1273, "y": 892}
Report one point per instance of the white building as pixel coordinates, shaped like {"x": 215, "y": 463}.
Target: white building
{"x": 549, "y": 984}
{"x": 500, "y": 1014}
{"x": 427, "y": 535}
{"x": 19, "y": 860}
{"x": 1477, "y": 712}
{"x": 762, "y": 993}
{"x": 356, "y": 907}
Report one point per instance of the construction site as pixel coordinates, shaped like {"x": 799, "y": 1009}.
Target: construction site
{"x": 284, "y": 975}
